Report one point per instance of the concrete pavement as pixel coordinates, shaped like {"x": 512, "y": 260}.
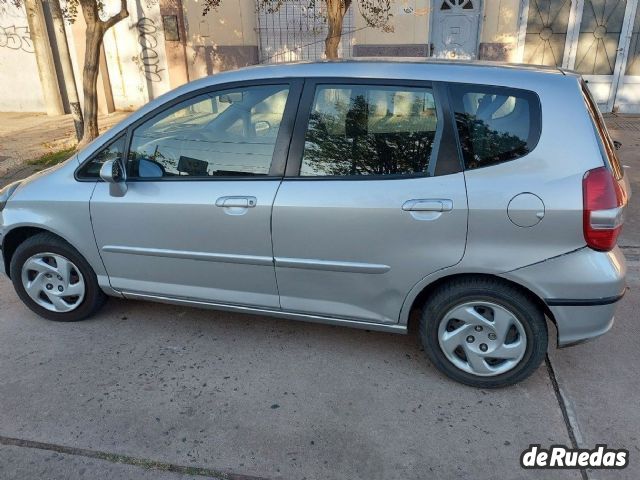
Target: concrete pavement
{"x": 258, "y": 396}
{"x": 600, "y": 379}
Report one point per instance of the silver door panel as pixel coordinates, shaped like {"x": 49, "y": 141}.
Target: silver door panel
{"x": 346, "y": 248}
{"x": 170, "y": 238}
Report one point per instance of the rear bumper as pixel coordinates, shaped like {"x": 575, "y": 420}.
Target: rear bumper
{"x": 581, "y": 289}
{"x": 577, "y": 324}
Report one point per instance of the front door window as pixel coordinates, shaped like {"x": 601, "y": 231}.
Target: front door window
{"x": 230, "y": 133}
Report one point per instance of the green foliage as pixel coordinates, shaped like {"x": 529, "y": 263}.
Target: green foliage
{"x": 52, "y": 158}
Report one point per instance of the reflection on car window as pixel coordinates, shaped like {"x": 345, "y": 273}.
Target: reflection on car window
{"x": 228, "y": 133}
{"x": 113, "y": 151}
{"x": 495, "y": 124}
{"x": 369, "y": 130}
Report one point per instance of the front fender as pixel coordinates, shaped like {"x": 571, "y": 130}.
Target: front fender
{"x": 55, "y": 202}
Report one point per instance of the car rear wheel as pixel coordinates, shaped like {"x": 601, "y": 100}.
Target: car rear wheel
{"x": 483, "y": 332}
{"x": 54, "y": 280}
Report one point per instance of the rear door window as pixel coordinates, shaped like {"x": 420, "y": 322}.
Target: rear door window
{"x": 369, "y": 130}
{"x": 495, "y": 124}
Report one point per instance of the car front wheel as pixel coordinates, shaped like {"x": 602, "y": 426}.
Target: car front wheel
{"x": 54, "y": 280}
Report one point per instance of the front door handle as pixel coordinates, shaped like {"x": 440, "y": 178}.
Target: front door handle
{"x": 428, "y": 205}
{"x": 238, "y": 202}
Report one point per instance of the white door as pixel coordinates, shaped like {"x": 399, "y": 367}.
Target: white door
{"x": 547, "y": 26}
{"x": 589, "y": 36}
{"x": 600, "y": 43}
{"x": 455, "y": 28}
{"x": 628, "y": 91}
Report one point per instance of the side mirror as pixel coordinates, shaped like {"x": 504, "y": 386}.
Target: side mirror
{"x": 113, "y": 173}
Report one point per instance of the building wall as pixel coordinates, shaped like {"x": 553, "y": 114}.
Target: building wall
{"x": 165, "y": 43}
{"x": 499, "y": 30}
{"x": 18, "y": 68}
{"x": 223, "y": 39}
{"x": 408, "y": 36}
{"x": 136, "y": 59}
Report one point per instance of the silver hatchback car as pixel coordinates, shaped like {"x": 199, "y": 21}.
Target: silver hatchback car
{"x": 487, "y": 197}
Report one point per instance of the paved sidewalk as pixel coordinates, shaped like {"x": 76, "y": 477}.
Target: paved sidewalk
{"x": 26, "y": 136}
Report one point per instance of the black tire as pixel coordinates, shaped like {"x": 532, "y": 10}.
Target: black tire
{"x": 94, "y": 297}
{"x": 456, "y": 292}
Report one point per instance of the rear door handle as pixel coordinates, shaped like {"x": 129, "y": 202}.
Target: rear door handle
{"x": 428, "y": 205}
{"x": 238, "y": 202}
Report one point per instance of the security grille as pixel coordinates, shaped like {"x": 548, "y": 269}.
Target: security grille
{"x": 546, "y": 32}
{"x": 600, "y": 31}
{"x": 297, "y": 32}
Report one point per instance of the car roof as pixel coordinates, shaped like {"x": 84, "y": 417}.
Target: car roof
{"x": 357, "y": 66}
{"x": 481, "y": 72}
{"x": 430, "y": 61}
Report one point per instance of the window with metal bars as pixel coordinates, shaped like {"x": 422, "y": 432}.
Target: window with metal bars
{"x": 297, "y": 32}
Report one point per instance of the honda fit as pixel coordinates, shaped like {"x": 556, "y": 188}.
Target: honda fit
{"x": 488, "y": 198}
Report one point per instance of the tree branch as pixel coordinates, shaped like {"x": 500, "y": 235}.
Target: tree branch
{"x": 121, "y": 15}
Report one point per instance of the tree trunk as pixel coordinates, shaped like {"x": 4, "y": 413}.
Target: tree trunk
{"x": 90, "y": 82}
{"x": 336, "y": 10}
{"x": 67, "y": 67}
{"x": 94, "y": 34}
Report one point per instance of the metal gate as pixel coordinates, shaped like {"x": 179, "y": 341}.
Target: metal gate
{"x": 297, "y": 32}
{"x": 546, "y": 34}
{"x": 589, "y": 36}
{"x": 628, "y": 94}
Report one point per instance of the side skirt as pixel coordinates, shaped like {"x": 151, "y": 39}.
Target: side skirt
{"x": 304, "y": 317}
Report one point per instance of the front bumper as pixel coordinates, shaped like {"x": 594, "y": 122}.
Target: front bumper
{"x": 581, "y": 289}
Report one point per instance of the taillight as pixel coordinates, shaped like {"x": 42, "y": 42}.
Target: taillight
{"x": 603, "y": 209}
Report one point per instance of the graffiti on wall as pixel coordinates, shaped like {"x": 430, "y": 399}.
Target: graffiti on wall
{"x": 149, "y": 59}
{"x": 16, "y": 38}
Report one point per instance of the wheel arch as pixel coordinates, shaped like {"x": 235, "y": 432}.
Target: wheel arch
{"x": 421, "y": 292}
{"x": 17, "y": 235}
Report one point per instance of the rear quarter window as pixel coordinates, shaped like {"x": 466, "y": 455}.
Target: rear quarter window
{"x": 495, "y": 124}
